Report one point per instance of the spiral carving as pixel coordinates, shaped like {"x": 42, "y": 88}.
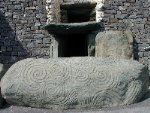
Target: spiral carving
{"x": 74, "y": 82}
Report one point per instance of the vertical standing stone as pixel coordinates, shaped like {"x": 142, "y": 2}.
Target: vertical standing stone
{"x": 99, "y": 12}
{"x": 116, "y": 44}
{"x": 53, "y": 11}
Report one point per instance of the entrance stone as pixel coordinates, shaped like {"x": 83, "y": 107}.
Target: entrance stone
{"x": 75, "y": 82}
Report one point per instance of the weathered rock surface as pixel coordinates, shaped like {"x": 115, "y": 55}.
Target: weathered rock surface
{"x": 72, "y": 28}
{"x": 115, "y": 44}
{"x": 1, "y": 72}
{"x": 75, "y": 82}
{"x": 1, "y": 69}
{"x": 77, "y": 5}
{"x": 1, "y": 100}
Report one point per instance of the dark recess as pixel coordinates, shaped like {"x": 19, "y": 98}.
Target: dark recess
{"x": 79, "y": 15}
{"x": 79, "y": 12}
{"x": 73, "y": 45}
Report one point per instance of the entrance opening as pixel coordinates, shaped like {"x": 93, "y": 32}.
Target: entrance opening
{"x": 82, "y": 15}
{"x": 73, "y": 45}
{"x": 75, "y": 13}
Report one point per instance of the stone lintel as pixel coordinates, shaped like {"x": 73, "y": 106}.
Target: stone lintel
{"x": 77, "y": 5}
{"x": 72, "y": 28}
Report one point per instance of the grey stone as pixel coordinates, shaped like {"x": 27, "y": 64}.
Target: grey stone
{"x": 116, "y": 44}
{"x": 22, "y": 22}
{"x": 3, "y": 69}
{"x": 1, "y": 100}
{"x": 71, "y": 28}
{"x": 78, "y": 6}
{"x": 91, "y": 43}
{"x": 75, "y": 82}
{"x": 147, "y": 48}
{"x": 149, "y": 69}
{"x": 1, "y": 73}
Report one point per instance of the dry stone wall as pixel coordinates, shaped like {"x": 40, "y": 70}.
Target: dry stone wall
{"x": 53, "y": 8}
{"x": 53, "y": 11}
{"x": 21, "y": 33}
{"x": 21, "y": 22}
{"x": 131, "y": 15}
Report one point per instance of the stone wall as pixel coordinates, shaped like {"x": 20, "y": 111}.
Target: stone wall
{"x": 53, "y": 8}
{"x": 53, "y": 11}
{"x": 21, "y": 33}
{"x": 130, "y": 15}
{"x": 21, "y": 23}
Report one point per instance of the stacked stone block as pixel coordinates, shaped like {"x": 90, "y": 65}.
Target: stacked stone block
{"x": 21, "y": 34}
{"x": 130, "y": 15}
{"x": 53, "y": 9}
{"x": 21, "y": 22}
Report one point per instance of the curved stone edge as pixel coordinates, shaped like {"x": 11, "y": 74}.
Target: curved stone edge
{"x": 72, "y": 28}
{"x": 3, "y": 70}
{"x": 114, "y": 44}
{"x": 79, "y": 107}
{"x": 136, "y": 83}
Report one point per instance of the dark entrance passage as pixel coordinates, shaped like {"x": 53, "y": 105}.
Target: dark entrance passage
{"x": 73, "y": 45}
{"x": 81, "y": 12}
{"x": 80, "y": 15}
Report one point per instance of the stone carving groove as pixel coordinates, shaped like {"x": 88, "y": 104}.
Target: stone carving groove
{"x": 74, "y": 82}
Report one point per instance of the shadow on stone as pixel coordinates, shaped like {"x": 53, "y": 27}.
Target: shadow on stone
{"x": 135, "y": 50}
{"x": 146, "y": 97}
{"x": 5, "y": 105}
{"x": 11, "y": 49}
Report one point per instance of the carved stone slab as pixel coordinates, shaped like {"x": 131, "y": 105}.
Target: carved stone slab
{"x": 74, "y": 82}
{"x": 114, "y": 44}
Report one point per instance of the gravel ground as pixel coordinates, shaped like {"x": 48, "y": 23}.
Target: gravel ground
{"x": 141, "y": 107}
